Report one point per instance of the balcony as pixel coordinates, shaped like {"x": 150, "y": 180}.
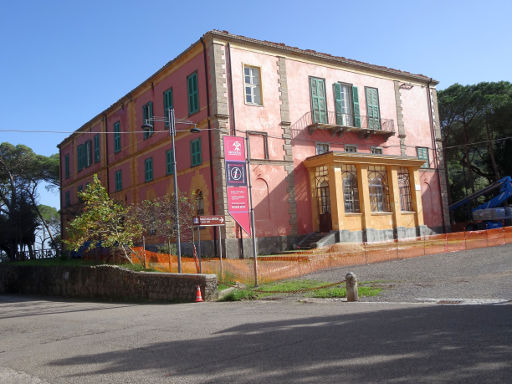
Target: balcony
{"x": 338, "y": 124}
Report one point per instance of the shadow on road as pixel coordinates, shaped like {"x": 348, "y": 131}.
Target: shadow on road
{"x": 410, "y": 345}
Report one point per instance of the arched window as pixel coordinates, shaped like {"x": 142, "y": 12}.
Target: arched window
{"x": 379, "y": 190}
{"x": 404, "y": 186}
{"x": 322, "y": 190}
{"x": 350, "y": 188}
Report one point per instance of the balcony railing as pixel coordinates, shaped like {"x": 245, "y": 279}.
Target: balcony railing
{"x": 338, "y": 124}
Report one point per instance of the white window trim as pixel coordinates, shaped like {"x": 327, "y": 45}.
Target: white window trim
{"x": 252, "y": 86}
{"x": 372, "y": 148}
{"x": 350, "y": 145}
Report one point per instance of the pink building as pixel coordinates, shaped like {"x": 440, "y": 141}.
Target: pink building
{"x": 339, "y": 147}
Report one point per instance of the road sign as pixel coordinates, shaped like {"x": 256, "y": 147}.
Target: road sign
{"x": 208, "y": 221}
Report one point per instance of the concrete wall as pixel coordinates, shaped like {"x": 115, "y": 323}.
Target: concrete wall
{"x": 105, "y": 282}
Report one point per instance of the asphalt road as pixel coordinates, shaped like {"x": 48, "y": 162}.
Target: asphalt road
{"x": 286, "y": 341}
{"x": 483, "y": 274}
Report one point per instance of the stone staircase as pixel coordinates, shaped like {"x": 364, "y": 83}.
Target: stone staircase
{"x": 315, "y": 240}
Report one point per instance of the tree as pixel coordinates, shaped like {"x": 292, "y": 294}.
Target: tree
{"x": 477, "y": 127}
{"x": 51, "y": 230}
{"x": 102, "y": 223}
{"x": 158, "y": 218}
{"x": 21, "y": 172}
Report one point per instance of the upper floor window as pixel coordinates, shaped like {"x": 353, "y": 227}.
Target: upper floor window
{"x": 147, "y": 116}
{"x": 193, "y": 94}
{"x": 350, "y": 148}
{"x": 168, "y": 104}
{"x": 97, "y": 148}
{"x": 117, "y": 136}
{"x": 148, "y": 169}
{"x": 66, "y": 166}
{"x": 404, "y": 186}
{"x": 252, "y": 85}
{"x": 318, "y": 102}
{"x": 379, "y": 188}
{"x": 422, "y": 153}
{"x": 346, "y": 102}
{"x": 350, "y": 188}
{"x": 195, "y": 152}
{"x": 322, "y": 148}
{"x": 376, "y": 150}
{"x": 372, "y": 108}
{"x": 84, "y": 155}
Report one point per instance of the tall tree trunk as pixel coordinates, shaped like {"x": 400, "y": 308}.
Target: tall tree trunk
{"x": 467, "y": 160}
{"x": 490, "y": 149}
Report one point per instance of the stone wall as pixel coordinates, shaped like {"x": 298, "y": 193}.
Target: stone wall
{"x": 105, "y": 282}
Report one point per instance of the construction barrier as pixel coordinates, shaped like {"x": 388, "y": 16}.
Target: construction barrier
{"x": 277, "y": 267}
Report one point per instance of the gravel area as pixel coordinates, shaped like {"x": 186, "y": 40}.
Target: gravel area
{"x": 484, "y": 273}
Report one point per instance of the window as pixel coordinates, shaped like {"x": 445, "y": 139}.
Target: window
{"x": 66, "y": 166}
{"x": 119, "y": 180}
{"x": 79, "y": 150}
{"x": 322, "y": 148}
{"x": 252, "y": 85}
{"x": 67, "y": 199}
{"x": 80, "y": 188}
{"x": 84, "y": 155}
{"x": 147, "y": 116}
{"x": 346, "y": 101}
{"x": 322, "y": 190}
{"x": 379, "y": 190}
{"x": 148, "y": 165}
{"x": 168, "y": 104}
{"x": 169, "y": 161}
{"x": 422, "y": 153}
{"x": 195, "y": 152}
{"x": 376, "y": 150}
{"x": 97, "y": 148}
{"x": 318, "y": 103}
{"x": 372, "y": 108}
{"x": 350, "y": 188}
{"x": 350, "y": 148}
{"x": 404, "y": 186}
{"x": 193, "y": 94}
{"x": 199, "y": 203}
{"x": 117, "y": 137}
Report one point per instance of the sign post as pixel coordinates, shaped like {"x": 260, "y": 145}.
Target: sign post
{"x": 236, "y": 187}
{"x": 210, "y": 221}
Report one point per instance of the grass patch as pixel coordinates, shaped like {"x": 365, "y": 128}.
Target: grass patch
{"x": 304, "y": 288}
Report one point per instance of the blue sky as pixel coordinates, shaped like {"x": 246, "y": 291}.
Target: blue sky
{"x": 64, "y": 61}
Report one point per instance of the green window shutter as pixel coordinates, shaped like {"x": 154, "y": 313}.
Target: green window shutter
{"x": 318, "y": 104}
{"x": 89, "y": 152}
{"x": 97, "y": 148}
{"x": 193, "y": 93}
{"x": 147, "y": 115}
{"x": 338, "y": 103}
{"x": 79, "y": 157}
{"x": 149, "y": 169}
{"x": 119, "y": 180}
{"x": 422, "y": 153}
{"x": 372, "y": 107}
{"x": 168, "y": 103}
{"x": 357, "y": 114}
{"x": 195, "y": 152}
{"x": 66, "y": 166}
{"x": 117, "y": 136}
{"x": 67, "y": 198}
{"x": 169, "y": 162}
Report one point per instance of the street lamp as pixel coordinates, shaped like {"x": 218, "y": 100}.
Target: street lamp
{"x": 171, "y": 120}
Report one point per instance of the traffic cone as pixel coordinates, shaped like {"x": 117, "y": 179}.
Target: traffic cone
{"x": 199, "y": 298}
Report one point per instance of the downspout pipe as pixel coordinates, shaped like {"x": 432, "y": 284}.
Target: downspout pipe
{"x": 434, "y": 150}
{"x": 106, "y": 154}
{"x": 210, "y": 149}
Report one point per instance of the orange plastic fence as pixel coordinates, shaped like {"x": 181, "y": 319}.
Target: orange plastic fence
{"x": 271, "y": 268}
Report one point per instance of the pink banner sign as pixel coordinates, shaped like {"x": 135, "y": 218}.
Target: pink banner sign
{"x": 236, "y": 182}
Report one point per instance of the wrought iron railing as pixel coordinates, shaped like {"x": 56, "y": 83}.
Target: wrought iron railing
{"x": 334, "y": 119}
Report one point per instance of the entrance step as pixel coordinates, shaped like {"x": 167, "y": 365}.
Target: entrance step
{"x": 316, "y": 240}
